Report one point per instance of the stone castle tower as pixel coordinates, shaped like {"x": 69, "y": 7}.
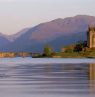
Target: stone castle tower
{"x": 91, "y": 37}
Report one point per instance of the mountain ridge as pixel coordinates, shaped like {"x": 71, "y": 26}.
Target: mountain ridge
{"x": 57, "y": 33}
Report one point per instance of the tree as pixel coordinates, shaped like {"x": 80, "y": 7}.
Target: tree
{"x": 69, "y": 49}
{"x": 47, "y": 50}
{"x": 80, "y": 46}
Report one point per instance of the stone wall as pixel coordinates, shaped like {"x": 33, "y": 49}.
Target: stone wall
{"x": 91, "y": 37}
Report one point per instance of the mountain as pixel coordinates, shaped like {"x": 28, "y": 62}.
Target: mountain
{"x": 3, "y": 40}
{"x": 18, "y": 34}
{"x": 56, "y": 33}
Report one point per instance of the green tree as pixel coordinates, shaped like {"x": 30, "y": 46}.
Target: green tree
{"x": 80, "y": 45}
{"x": 47, "y": 50}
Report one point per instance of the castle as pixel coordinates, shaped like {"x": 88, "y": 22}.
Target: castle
{"x": 91, "y": 37}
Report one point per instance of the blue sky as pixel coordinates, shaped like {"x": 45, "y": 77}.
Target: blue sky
{"x": 18, "y": 14}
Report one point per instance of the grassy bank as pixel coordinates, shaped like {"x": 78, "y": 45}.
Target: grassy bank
{"x": 90, "y": 54}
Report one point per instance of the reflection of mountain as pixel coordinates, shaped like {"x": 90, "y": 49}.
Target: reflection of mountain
{"x": 45, "y": 78}
{"x": 65, "y": 71}
{"x": 57, "y": 33}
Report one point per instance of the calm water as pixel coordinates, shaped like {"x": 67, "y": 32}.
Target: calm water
{"x": 27, "y": 77}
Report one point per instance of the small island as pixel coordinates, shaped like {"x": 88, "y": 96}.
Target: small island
{"x": 82, "y": 49}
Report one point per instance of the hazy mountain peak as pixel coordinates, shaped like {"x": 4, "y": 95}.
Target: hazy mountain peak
{"x": 57, "y": 20}
{"x": 18, "y": 34}
{"x": 84, "y": 16}
{"x": 57, "y": 33}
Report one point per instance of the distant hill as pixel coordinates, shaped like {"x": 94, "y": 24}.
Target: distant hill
{"x": 56, "y": 33}
{"x": 3, "y": 40}
{"x": 18, "y": 34}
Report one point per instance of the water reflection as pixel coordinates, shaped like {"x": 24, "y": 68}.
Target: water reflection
{"x": 47, "y": 80}
{"x": 92, "y": 78}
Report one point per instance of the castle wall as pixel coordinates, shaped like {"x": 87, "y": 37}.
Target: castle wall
{"x": 91, "y": 38}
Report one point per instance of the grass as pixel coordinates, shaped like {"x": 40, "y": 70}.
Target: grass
{"x": 86, "y": 54}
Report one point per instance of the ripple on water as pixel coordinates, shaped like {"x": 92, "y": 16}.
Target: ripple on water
{"x": 45, "y": 80}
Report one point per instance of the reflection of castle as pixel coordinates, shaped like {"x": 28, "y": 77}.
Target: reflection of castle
{"x": 92, "y": 71}
{"x": 91, "y": 37}
{"x": 92, "y": 79}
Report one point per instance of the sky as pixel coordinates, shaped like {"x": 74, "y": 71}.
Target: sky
{"x": 18, "y": 14}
